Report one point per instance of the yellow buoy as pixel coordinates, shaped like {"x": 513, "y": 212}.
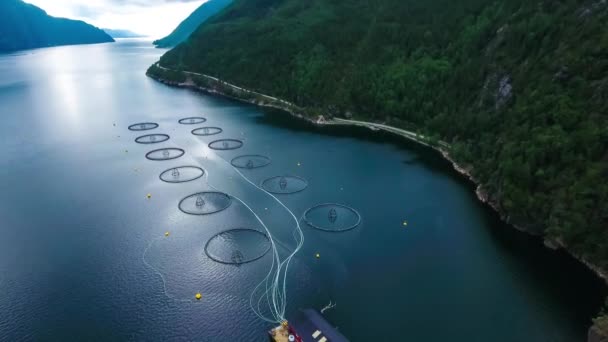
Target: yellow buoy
{"x": 198, "y": 296}
{"x": 149, "y": 196}
{"x": 317, "y": 255}
{"x": 166, "y": 233}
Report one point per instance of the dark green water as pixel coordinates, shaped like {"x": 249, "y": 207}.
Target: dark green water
{"x": 75, "y": 222}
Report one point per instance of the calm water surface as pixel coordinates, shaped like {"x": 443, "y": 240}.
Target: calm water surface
{"x": 83, "y": 255}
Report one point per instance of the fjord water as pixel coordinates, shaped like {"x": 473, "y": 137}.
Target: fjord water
{"x": 83, "y": 254}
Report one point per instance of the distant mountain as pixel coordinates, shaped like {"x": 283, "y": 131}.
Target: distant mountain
{"x": 25, "y": 26}
{"x": 122, "y": 33}
{"x": 185, "y": 29}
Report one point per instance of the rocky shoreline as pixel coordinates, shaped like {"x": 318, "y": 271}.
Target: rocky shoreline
{"x": 267, "y": 101}
{"x": 218, "y": 87}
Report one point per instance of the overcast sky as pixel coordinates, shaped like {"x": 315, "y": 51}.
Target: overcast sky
{"x": 155, "y": 18}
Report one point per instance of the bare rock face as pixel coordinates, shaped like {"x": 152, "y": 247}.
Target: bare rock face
{"x": 550, "y": 244}
{"x": 562, "y": 75}
{"x": 497, "y": 40}
{"x": 496, "y": 91}
{"x": 599, "y": 330}
{"x": 505, "y": 91}
{"x": 595, "y": 336}
{"x": 592, "y": 8}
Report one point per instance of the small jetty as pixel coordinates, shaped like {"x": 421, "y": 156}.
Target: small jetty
{"x": 308, "y": 326}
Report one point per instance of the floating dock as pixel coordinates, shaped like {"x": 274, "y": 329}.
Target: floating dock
{"x": 308, "y": 326}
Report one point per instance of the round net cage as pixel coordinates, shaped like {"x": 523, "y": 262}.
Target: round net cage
{"x": 250, "y": 161}
{"x": 284, "y": 184}
{"x": 165, "y": 153}
{"x": 152, "y": 138}
{"x": 182, "y": 174}
{"x": 205, "y": 131}
{"x": 194, "y": 120}
{"x": 332, "y": 217}
{"x": 237, "y": 246}
{"x": 225, "y": 144}
{"x": 205, "y": 203}
{"x": 143, "y": 126}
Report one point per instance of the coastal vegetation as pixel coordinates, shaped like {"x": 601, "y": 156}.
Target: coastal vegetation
{"x": 168, "y": 75}
{"x": 519, "y": 89}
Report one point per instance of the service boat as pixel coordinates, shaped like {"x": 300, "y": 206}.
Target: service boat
{"x": 309, "y": 326}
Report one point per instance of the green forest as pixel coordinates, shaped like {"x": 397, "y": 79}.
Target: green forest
{"x": 519, "y": 88}
{"x": 25, "y": 26}
{"x": 190, "y": 24}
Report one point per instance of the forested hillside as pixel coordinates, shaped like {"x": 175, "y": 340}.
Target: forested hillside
{"x": 25, "y": 26}
{"x": 190, "y": 24}
{"x": 519, "y": 88}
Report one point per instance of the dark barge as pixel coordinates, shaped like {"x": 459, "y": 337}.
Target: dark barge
{"x": 308, "y": 326}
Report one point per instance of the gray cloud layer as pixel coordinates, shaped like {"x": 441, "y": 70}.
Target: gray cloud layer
{"x": 93, "y": 13}
{"x": 146, "y": 2}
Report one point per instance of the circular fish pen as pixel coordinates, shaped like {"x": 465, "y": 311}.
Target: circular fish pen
{"x": 143, "y": 126}
{"x": 250, "y": 161}
{"x": 152, "y": 138}
{"x": 165, "y": 154}
{"x": 193, "y": 120}
{"x": 181, "y": 174}
{"x": 332, "y": 217}
{"x": 205, "y": 203}
{"x": 206, "y": 131}
{"x": 226, "y": 144}
{"x": 237, "y": 246}
{"x": 284, "y": 184}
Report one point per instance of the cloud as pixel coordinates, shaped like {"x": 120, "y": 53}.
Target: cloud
{"x": 148, "y": 2}
{"x": 84, "y": 11}
{"x": 155, "y": 18}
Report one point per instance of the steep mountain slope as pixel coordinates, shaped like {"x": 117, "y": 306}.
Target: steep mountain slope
{"x": 190, "y": 24}
{"x": 25, "y": 26}
{"x": 519, "y": 89}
